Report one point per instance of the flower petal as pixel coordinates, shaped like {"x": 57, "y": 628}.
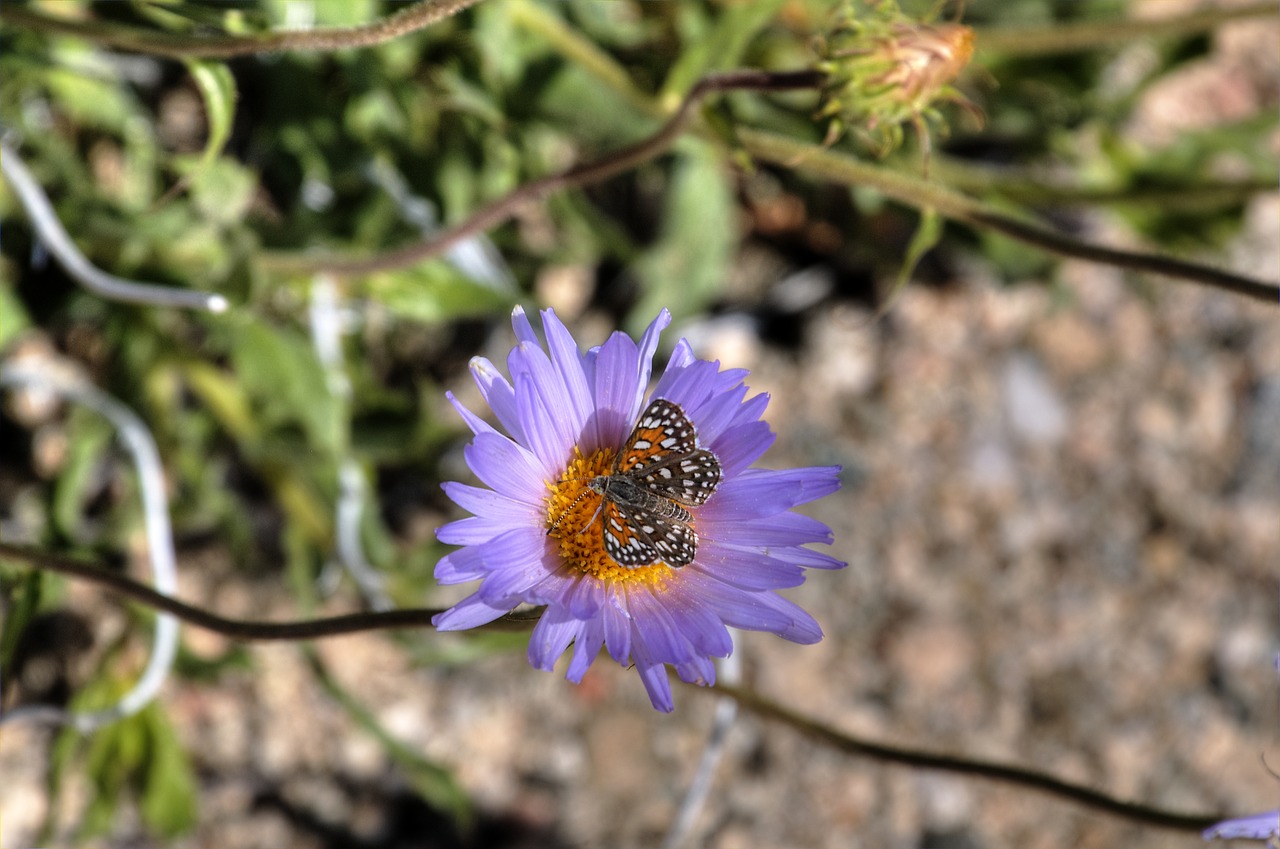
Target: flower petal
{"x": 618, "y": 389}
{"x": 468, "y": 613}
{"x": 498, "y": 394}
{"x": 492, "y": 505}
{"x": 568, "y": 363}
{"x": 507, "y": 468}
{"x": 551, "y": 636}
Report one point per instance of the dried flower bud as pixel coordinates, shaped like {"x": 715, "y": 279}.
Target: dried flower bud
{"x": 885, "y": 69}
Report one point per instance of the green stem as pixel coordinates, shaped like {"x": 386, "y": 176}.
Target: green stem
{"x": 841, "y": 168}
{"x": 182, "y": 46}
{"x": 1089, "y": 35}
{"x": 1020, "y": 186}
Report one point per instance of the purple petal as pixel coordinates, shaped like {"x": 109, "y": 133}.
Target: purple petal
{"x": 1255, "y": 827}
{"x": 779, "y": 529}
{"x": 691, "y": 387}
{"x": 698, "y": 624}
{"x": 468, "y": 613}
{"x": 456, "y": 567}
{"x": 507, "y": 468}
{"x": 523, "y": 328}
{"x": 477, "y": 424}
{"x": 615, "y": 620}
{"x": 617, "y": 389}
{"x": 648, "y": 345}
{"x": 740, "y": 446}
{"x": 754, "y": 611}
{"x": 585, "y": 650}
{"x": 568, "y": 363}
{"x": 718, "y": 413}
{"x": 654, "y": 626}
{"x": 808, "y": 558}
{"x": 492, "y": 505}
{"x": 473, "y": 530}
{"x": 700, "y": 671}
{"x": 654, "y": 677}
{"x": 757, "y": 493}
{"x": 551, "y": 636}
{"x": 681, "y": 357}
{"x": 748, "y": 568}
{"x": 546, "y": 430}
{"x": 516, "y": 562}
{"x": 498, "y": 394}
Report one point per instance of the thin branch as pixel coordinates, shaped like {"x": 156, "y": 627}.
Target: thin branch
{"x": 421, "y": 618}
{"x": 182, "y": 46}
{"x": 842, "y": 168}
{"x": 1064, "y": 245}
{"x": 1038, "y": 781}
{"x": 238, "y": 629}
{"x": 580, "y": 175}
{"x": 1063, "y": 37}
{"x": 54, "y": 237}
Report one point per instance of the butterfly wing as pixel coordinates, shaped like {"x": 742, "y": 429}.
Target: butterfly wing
{"x": 689, "y": 480}
{"x": 636, "y": 537}
{"x": 661, "y": 433}
{"x": 624, "y": 537}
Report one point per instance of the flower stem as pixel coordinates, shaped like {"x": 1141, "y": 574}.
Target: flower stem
{"x": 841, "y": 168}
{"x": 1020, "y": 776}
{"x": 182, "y": 46}
{"x": 1088, "y": 35}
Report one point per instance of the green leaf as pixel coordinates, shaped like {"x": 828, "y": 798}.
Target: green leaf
{"x": 88, "y": 438}
{"x": 221, "y": 190}
{"x": 279, "y": 369}
{"x": 218, "y": 88}
{"x": 721, "y": 48}
{"x": 433, "y": 293}
{"x": 926, "y": 237}
{"x": 140, "y": 756}
{"x": 168, "y": 786}
{"x": 21, "y": 605}
{"x": 13, "y": 318}
{"x": 700, "y": 233}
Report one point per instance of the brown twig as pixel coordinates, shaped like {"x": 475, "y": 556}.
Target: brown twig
{"x": 1016, "y": 775}
{"x": 182, "y": 46}
{"x": 238, "y": 629}
{"x": 580, "y": 175}
{"x": 421, "y": 618}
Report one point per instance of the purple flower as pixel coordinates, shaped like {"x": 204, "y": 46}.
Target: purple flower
{"x": 1255, "y": 827}
{"x": 640, "y": 525}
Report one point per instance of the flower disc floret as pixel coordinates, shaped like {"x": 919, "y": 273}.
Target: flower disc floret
{"x": 573, "y": 514}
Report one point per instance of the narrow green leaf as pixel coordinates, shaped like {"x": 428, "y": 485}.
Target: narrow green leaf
{"x": 433, "y": 293}
{"x": 218, "y": 89}
{"x": 168, "y": 785}
{"x": 926, "y": 237}
{"x": 700, "y": 232}
{"x": 22, "y": 603}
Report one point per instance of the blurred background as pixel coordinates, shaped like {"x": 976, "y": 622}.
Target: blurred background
{"x": 1061, "y": 500}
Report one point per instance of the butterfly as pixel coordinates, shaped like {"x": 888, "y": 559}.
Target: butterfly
{"x": 655, "y": 479}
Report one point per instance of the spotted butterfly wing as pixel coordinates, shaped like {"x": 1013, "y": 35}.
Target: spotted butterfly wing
{"x": 689, "y": 480}
{"x": 634, "y": 537}
{"x": 662, "y": 455}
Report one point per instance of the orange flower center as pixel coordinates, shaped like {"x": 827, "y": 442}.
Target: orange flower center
{"x": 575, "y": 519}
